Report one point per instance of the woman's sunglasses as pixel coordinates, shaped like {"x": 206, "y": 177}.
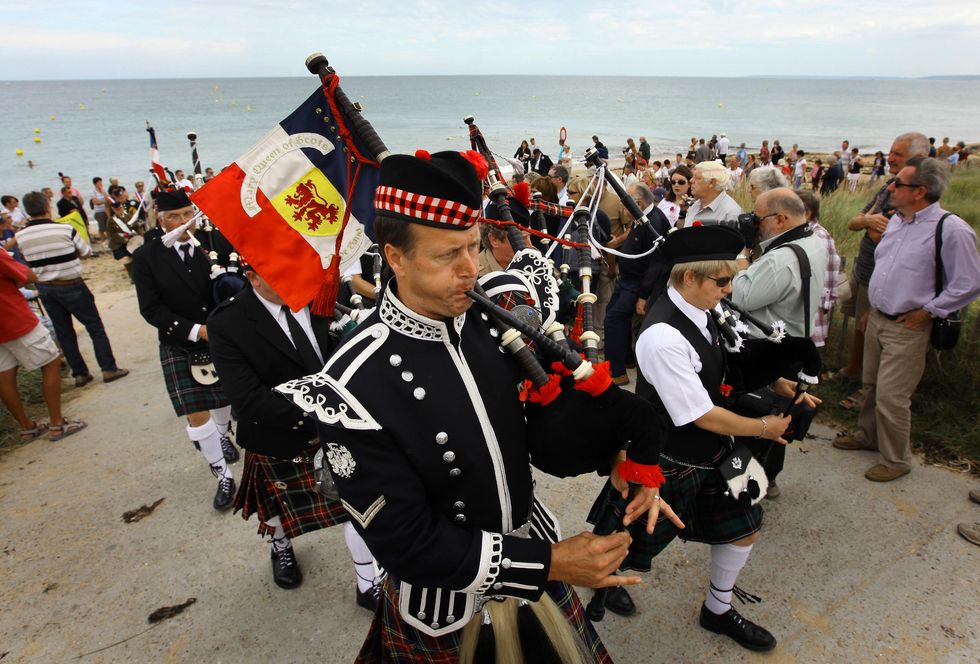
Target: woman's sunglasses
{"x": 720, "y": 282}
{"x": 678, "y": 181}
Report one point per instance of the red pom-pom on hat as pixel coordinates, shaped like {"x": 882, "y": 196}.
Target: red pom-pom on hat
{"x": 522, "y": 192}
{"x": 423, "y": 154}
{"x": 697, "y": 222}
{"x": 478, "y": 162}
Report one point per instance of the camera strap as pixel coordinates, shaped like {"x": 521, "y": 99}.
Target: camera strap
{"x": 806, "y": 274}
{"x": 939, "y": 254}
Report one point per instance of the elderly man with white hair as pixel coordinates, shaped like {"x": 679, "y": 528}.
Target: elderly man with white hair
{"x": 763, "y": 179}
{"x": 708, "y": 186}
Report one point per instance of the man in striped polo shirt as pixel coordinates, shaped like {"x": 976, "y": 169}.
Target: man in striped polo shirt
{"x": 53, "y": 251}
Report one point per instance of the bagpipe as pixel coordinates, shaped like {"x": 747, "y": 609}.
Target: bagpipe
{"x": 755, "y": 363}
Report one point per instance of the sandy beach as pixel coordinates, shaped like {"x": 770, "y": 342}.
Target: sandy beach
{"x": 848, "y": 569}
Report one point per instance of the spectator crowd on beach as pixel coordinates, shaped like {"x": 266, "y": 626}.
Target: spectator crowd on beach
{"x": 770, "y": 196}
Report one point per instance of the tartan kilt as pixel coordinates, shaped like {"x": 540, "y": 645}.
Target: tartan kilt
{"x": 696, "y": 496}
{"x": 186, "y": 394}
{"x": 272, "y": 487}
{"x": 392, "y": 641}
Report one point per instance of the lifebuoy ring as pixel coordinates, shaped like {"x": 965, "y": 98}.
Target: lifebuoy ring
{"x": 562, "y": 134}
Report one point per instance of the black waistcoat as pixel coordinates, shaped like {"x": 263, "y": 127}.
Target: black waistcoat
{"x": 688, "y": 442}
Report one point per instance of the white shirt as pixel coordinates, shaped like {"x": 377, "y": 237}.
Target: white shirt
{"x": 302, "y": 317}
{"x": 17, "y": 216}
{"x": 671, "y": 210}
{"x": 671, "y": 365}
{"x": 722, "y": 208}
{"x": 723, "y": 144}
{"x": 563, "y": 195}
{"x": 186, "y": 184}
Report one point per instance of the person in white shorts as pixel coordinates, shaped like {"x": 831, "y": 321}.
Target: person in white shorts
{"x": 24, "y": 342}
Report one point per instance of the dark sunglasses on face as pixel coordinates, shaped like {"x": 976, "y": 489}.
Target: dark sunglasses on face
{"x": 682, "y": 182}
{"x": 720, "y": 282}
{"x": 899, "y": 183}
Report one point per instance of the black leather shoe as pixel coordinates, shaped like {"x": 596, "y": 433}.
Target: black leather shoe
{"x": 619, "y": 601}
{"x": 744, "y": 632}
{"x": 228, "y": 449}
{"x": 285, "y": 569}
{"x": 225, "y": 494}
{"x": 368, "y": 600}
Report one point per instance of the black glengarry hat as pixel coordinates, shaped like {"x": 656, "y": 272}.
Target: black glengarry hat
{"x": 172, "y": 200}
{"x": 443, "y": 190}
{"x": 703, "y": 243}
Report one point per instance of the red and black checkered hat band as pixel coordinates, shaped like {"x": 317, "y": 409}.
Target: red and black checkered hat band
{"x": 426, "y": 209}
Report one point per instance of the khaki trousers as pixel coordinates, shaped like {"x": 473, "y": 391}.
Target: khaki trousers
{"x": 894, "y": 359}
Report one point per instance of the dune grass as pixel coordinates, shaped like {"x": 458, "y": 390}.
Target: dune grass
{"x": 946, "y": 408}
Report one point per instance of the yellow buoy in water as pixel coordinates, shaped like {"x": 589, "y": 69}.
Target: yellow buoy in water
{"x": 36, "y": 130}
{"x": 81, "y": 107}
{"x": 53, "y": 118}
{"x": 20, "y": 153}
{"x": 234, "y": 103}
{"x": 720, "y": 105}
{"x": 248, "y": 109}
{"x": 37, "y": 139}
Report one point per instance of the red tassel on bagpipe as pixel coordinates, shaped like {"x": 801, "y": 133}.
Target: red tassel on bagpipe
{"x": 638, "y": 473}
{"x": 542, "y": 395}
{"x": 598, "y": 382}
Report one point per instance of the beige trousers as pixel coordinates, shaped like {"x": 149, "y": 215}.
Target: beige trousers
{"x": 894, "y": 359}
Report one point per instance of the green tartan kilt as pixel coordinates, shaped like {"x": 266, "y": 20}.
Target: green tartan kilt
{"x": 393, "y": 641}
{"x": 186, "y": 394}
{"x": 697, "y": 496}
{"x": 272, "y": 487}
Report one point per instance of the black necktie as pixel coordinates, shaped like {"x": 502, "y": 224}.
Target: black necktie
{"x": 712, "y": 330}
{"x": 302, "y": 342}
{"x": 186, "y": 249}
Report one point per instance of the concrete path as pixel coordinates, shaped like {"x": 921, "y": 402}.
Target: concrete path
{"x": 849, "y": 570}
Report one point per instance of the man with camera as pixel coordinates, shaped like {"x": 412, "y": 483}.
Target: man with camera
{"x": 785, "y": 283}
{"x": 906, "y": 302}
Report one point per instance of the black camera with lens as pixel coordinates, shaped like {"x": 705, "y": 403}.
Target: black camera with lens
{"x": 747, "y": 225}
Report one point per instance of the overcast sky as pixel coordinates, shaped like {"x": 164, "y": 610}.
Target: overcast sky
{"x": 72, "y": 39}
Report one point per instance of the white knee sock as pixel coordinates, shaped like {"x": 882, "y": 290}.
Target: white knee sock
{"x": 279, "y": 539}
{"x": 727, "y": 560}
{"x": 365, "y": 567}
{"x": 222, "y": 418}
{"x": 209, "y": 440}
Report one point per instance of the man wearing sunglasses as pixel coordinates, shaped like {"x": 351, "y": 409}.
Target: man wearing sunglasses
{"x": 903, "y": 299}
{"x": 774, "y": 288}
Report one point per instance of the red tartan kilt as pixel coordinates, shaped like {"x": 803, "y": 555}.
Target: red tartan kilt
{"x": 279, "y": 487}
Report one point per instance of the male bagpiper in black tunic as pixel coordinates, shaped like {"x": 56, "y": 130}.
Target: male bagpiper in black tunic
{"x": 257, "y": 343}
{"x": 173, "y": 286}
{"x": 682, "y": 371}
{"x": 428, "y": 442}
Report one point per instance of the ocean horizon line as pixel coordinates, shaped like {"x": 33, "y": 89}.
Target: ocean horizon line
{"x": 748, "y": 77}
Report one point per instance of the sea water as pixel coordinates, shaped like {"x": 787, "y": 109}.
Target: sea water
{"x": 89, "y": 128}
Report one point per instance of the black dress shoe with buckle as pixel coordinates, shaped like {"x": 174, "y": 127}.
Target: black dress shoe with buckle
{"x": 285, "y": 569}
{"x": 228, "y": 449}
{"x": 744, "y": 632}
{"x": 225, "y": 494}
{"x": 369, "y": 600}
{"x": 619, "y": 601}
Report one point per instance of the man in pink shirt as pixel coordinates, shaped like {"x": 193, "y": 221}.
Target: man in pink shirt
{"x": 24, "y": 342}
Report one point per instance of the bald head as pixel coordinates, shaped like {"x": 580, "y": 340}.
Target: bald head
{"x": 779, "y": 210}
